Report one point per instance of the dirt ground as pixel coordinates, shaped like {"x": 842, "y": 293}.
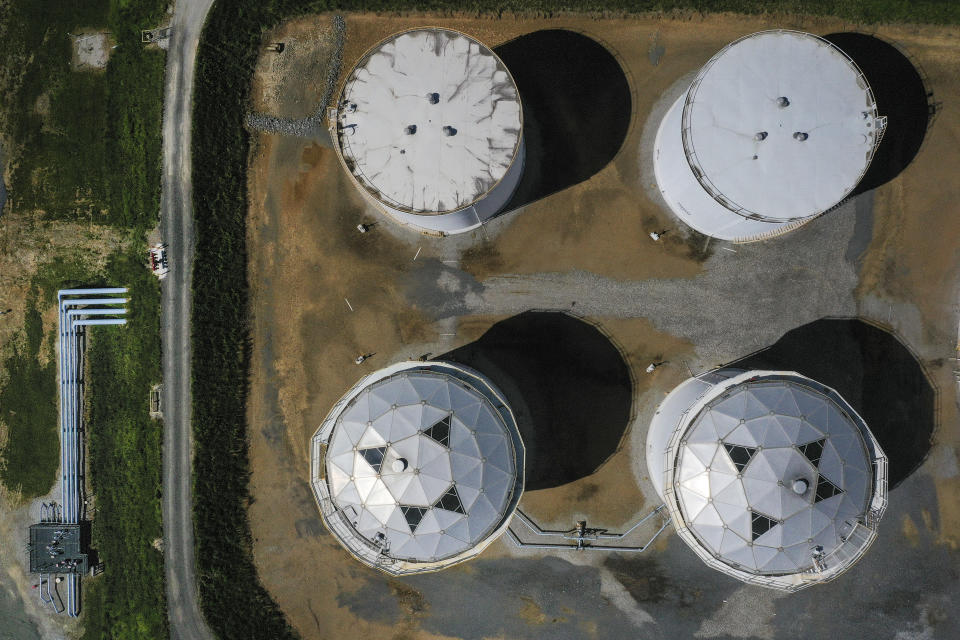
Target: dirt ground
{"x": 289, "y": 85}
{"x": 323, "y": 293}
{"x": 91, "y": 50}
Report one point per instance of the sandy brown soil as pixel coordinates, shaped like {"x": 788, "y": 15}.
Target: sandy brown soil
{"x": 306, "y": 265}
{"x": 307, "y": 262}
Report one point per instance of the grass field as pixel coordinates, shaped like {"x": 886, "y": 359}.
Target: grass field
{"x": 28, "y": 406}
{"x": 84, "y": 146}
{"x": 28, "y": 401}
{"x": 125, "y": 454}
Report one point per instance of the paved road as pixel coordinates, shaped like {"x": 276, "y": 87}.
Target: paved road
{"x": 176, "y": 219}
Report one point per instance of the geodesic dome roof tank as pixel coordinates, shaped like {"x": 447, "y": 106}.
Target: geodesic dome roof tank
{"x": 430, "y": 127}
{"x": 770, "y": 477}
{"x": 775, "y": 129}
{"x": 418, "y": 467}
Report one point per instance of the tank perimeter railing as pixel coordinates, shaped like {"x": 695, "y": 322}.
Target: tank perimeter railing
{"x": 341, "y": 139}
{"x": 78, "y": 309}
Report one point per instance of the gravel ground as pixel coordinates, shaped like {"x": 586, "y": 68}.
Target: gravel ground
{"x": 747, "y": 297}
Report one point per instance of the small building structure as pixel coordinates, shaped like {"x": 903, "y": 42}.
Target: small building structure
{"x": 59, "y": 548}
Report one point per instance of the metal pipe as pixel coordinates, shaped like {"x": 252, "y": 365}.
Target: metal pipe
{"x": 73, "y": 413}
{"x": 73, "y": 601}
{"x": 74, "y": 313}
{"x": 76, "y": 292}
{"x": 71, "y": 447}
{"x": 65, "y": 448}
{"x": 70, "y": 366}
{"x": 76, "y": 302}
{"x": 68, "y": 436}
{"x": 89, "y": 323}
{"x": 63, "y": 395}
{"x": 580, "y": 539}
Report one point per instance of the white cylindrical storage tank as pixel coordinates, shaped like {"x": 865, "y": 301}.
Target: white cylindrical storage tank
{"x": 769, "y": 476}
{"x": 777, "y": 128}
{"x": 429, "y": 126}
{"x": 418, "y": 467}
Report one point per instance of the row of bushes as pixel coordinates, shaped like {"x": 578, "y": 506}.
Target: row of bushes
{"x": 232, "y": 599}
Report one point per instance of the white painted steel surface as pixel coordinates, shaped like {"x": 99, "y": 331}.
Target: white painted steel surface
{"x": 468, "y": 218}
{"x": 429, "y": 121}
{"x": 687, "y": 198}
{"x": 668, "y": 416}
{"x": 807, "y": 100}
{"x": 775, "y": 129}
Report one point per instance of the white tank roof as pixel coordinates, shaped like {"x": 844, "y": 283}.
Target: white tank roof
{"x": 735, "y": 101}
{"x": 465, "y": 109}
{"x": 421, "y": 463}
{"x": 773, "y": 478}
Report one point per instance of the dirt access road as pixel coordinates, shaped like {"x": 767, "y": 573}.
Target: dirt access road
{"x": 176, "y": 220}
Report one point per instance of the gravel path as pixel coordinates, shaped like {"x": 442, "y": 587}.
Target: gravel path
{"x": 747, "y": 297}
{"x": 316, "y": 125}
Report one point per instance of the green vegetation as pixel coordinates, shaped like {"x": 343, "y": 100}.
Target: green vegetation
{"x": 233, "y": 601}
{"x": 28, "y": 402}
{"x": 82, "y": 144}
{"x": 124, "y": 443}
{"x": 125, "y": 454}
{"x": 28, "y": 406}
{"x": 85, "y": 145}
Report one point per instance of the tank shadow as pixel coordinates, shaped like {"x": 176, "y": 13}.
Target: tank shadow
{"x": 875, "y": 372}
{"x": 568, "y": 385}
{"x": 576, "y": 109}
{"x": 902, "y": 96}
